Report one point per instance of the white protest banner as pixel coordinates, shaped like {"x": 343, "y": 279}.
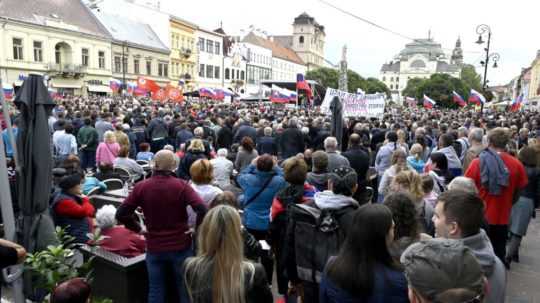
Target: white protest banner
{"x": 355, "y": 105}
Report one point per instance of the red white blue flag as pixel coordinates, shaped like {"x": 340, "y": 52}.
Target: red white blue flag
{"x": 428, "y": 102}
{"x": 476, "y": 97}
{"x": 301, "y": 84}
{"x": 458, "y": 99}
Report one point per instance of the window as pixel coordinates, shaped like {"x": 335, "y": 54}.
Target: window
{"x": 233, "y": 74}
{"x": 218, "y": 45}
{"x": 217, "y": 74}
{"x": 384, "y": 78}
{"x": 209, "y": 71}
{"x": 201, "y": 70}
{"x": 38, "y": 51}
{"x": 117, "y": 64}
{"x": 149, "y": 67}
{"x": 163, "y": 69}
{"x": 101, "y": 59}
{"x": 18, "y": 49}
{"x": 242, "y": 75}
{"x": 227, "y": 72}
{"x": 391, "y": 86}
{"x": 391, "y": 79}
{"x": 237, "y": 74}
{"x": 201, "y": 44}
{"x": 397, "y": 79}
{"x": 85, "y": 57}
{"x": 301, "y": 39}
{"x": 210, "y": 46}
{"x": 136, "y": 69}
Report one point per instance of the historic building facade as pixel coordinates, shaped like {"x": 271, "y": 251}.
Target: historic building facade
{"x": 210, "y": 58}
{"x": 183, "y": 52}
{"x": 419, "y": 59}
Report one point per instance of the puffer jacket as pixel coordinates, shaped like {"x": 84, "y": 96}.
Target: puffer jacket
{"x": 74, "y": 214}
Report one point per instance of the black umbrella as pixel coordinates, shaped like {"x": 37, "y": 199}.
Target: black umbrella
{"x": 35, "y": 158}
{"x": 337, "y": 119}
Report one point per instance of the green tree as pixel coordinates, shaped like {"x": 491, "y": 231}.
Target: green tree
{"x": 329, "y": 77}
{"x": 411, "y": 90}
{"x": 439, "y": 87}
{"x": 374, "y": 85}
{"x": 470, "y": 78}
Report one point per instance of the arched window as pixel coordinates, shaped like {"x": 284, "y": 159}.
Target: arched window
{"x": 391, "y": 79}
{"x": 301, "y": 39}
{"x": 227, "y": 72}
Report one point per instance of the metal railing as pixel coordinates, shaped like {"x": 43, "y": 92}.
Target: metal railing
{"x": 66, "y": 68}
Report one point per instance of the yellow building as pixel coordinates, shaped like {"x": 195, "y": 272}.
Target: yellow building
{"x": 183, "y": 55}
{"x": 534, "y": 87}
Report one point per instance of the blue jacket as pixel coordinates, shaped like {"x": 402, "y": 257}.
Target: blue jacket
{"x": 417, "y": 164}
{"x": 390, "y": 286}
{"x": 257, "y": 212}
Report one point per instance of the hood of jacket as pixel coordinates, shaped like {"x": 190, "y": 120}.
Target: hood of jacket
{"x": 328, "y": 200}
{"x": 451, "y": 155}
{"x": 483, "y": 250}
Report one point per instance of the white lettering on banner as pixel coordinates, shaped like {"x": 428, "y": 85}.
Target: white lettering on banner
{"x": 355, "y": 105}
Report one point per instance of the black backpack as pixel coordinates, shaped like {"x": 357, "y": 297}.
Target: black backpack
{"x": 318, "y": 235}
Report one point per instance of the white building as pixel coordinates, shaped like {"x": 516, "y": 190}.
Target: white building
{"x": 234, "y": 64}
{"x": 259, "y": 63}
{"x": 210, "y": 58}
{"x": 419, "y": 59}
{"x": 60, "y": 40}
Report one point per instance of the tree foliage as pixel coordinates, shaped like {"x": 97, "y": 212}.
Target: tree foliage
{"x": 329, "y": 77}
{"x": 470, "y": 77}
{"x": 438, "y": 87}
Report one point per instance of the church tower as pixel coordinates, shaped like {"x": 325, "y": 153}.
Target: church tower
{"x": 457, "y": 54}
{"x": 308, "y": 41}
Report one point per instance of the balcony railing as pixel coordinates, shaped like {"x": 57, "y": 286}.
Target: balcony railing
{"x": 66, "y": 68}
{"x": 185, "y": 52}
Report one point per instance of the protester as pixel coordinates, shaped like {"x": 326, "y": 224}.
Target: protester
{"x": 108, "y": 150}
{"x": 430, "y": 196}
{"x": 145, "y": 154}
{"x": 65, "y": 143}
{"x": 524, "y": 208}
{"x": 364, "y": 269}
{"x": 463, "y": 183}
{"x": 118, "y": 239}
{"x": 223, "y": 169}
{"x": 10, "y": 254}
{"x": 459, "y": 215}
{"x": 498, "y": 177}
{"x": 163, "y": 199}
{"x": 476, "y": 136}
{"x": 439, "y": 172}
{"x": 291, "y": 141}
{"x": 319, "y": 175}
{"x": 202, "y": 174}
{"x": 335, "y": 159}
{"x": 267, "y": 143}
{"x": 246, "y": 154}
{"x": 398, "y": 164}
{"x": 359, "y": 161}
{"x": 383, "y": 159}
{"x": 123, "y": 161}
{"x": 195, "y": 151}
{"x": 88, "y": 138}
{"x": 219, "y": 272}
{"x": 443, "y": 271}
{"x": 415, "y": 160}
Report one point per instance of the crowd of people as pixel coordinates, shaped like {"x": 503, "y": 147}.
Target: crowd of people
{"x": 246, "y": 201}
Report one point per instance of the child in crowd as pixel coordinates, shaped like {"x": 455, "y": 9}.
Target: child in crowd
{"x": 415, "y": 159}
{"x": 145, "y": 154}
{"x": 429, "y": 195}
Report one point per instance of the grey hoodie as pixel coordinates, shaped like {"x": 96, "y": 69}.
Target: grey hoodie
{"x": 328, "y": 200}
{"x": 492, "y": 266}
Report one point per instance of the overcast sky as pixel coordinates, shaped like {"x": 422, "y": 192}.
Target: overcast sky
{"x": 515, "y": 26}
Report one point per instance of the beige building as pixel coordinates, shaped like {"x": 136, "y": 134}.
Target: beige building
{"x": 138, "y": 47}
{"x": 60, "y": 40}
{"x": 534, "y": 86}
{"x": 183, "y": 52}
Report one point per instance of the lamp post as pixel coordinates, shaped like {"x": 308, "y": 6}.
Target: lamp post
{"x": 124, "y": 67}
{"x": 481, "y": 30}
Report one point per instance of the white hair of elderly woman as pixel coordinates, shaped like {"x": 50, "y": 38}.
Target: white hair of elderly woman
{"x": 463, "y": 183}
{"x": 105, "y": 216}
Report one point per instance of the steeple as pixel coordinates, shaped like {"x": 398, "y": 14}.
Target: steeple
{"x": 457, "y": 53}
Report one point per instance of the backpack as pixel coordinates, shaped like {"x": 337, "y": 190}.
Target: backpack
{"x": 318, "y": 235}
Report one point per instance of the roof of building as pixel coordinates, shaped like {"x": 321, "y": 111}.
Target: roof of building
{"x": 391, "y": 67}
{"x": 285, "y": 41}
{"x": 65, "y": 14}
{"x": 423, "y": 46}
{"x": 184, "y": 21}
{"x": 278, "y": 50}
{"x": 123, "y": 29}
{"x": 304, "y": 18}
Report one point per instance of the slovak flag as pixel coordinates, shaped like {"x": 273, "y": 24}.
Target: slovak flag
{"x": 206, "y": 92}
{"x": 428, "y": 102}
{"x": 301, "y": 84}
{"x": 458, "y": 99}
{"x": 219, "y": 94}
{"x": 516, "y": 104}
{"x": 279, "y": 95}
{"x": 147, "y": 84}
{"x": 476, "y": 98}
{"x": 8, "y": 93}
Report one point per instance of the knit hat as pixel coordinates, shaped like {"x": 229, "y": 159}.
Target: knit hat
{"x": 436, "y": 266}
{"x": 70, "y": 181}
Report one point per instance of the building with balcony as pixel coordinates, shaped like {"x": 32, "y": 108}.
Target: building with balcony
{"x": 136, "y": 50}
{"x": 183, "y": 52}
{"x": 210, "y": 59}
{"x": 60, "y": 40}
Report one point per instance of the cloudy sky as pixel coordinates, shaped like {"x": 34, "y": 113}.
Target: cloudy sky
{"x": 515, "y": 26}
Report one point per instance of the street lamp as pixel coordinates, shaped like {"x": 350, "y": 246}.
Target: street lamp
{"x": 481, "y": 30}
{"x": 125, "y": 50}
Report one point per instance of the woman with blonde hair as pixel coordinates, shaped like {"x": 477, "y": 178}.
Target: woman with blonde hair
{"x": 402, "y": 140}
{"x": 107, "y": 150}
{"x": 411, "y": 182}
{"x": 415, "y": 160}
{"x": 220, "y": 273}
{"x": 195, "y": 151}
{"x": 398, "y": 164}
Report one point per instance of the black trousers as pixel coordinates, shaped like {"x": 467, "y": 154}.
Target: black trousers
{"x": 266, "y": 257}
{"x": 498, "y": 235}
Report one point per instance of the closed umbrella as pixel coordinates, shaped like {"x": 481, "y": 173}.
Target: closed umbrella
{"x": 35, "y": 160}
{"x": 337, "y": 119}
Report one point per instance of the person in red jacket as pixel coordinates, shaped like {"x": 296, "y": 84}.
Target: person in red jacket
{"x": 72, "y": 210}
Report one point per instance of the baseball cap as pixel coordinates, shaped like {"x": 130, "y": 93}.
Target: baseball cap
{"x": 437, "y": 266}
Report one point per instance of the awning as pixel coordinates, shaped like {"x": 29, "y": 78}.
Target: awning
{"x": 99, "y": 89}
{"x": 65, "y": 85}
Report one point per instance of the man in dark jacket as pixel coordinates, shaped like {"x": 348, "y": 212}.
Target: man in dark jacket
{"x": 359, "y": 161}
{"x": 267, "y": 144}
{"x": 322, "y": 134}
{"x": 183, "y": 135}
{"x": 157, "y": 132}
{"x": 291, "y": 142}
{"x": 225, "y": 135}
{"x": 245, "y": 130}
{"x": 88, "y": 140}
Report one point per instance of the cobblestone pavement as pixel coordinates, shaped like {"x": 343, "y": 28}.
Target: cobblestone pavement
{"x": 524, "y": 278}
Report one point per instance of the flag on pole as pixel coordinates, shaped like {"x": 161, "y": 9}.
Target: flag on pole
{"x": 476, "y": 97}
{"x": 428, "y": 102}
{"x": 159, "y": 95}
{"x": 301, "y": 84}
{"x": 206, "y": 92}
{"x": 147, "y": 84}
{"x": 281, "y": 95}
{"x": 458, "y": 99}
{"x": 516, "y": 104}
{"x": 115, "y": 84}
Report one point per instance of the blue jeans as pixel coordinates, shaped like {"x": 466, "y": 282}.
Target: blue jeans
{"x": 88, "y": 159}
{"x": 158, "y": 264}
